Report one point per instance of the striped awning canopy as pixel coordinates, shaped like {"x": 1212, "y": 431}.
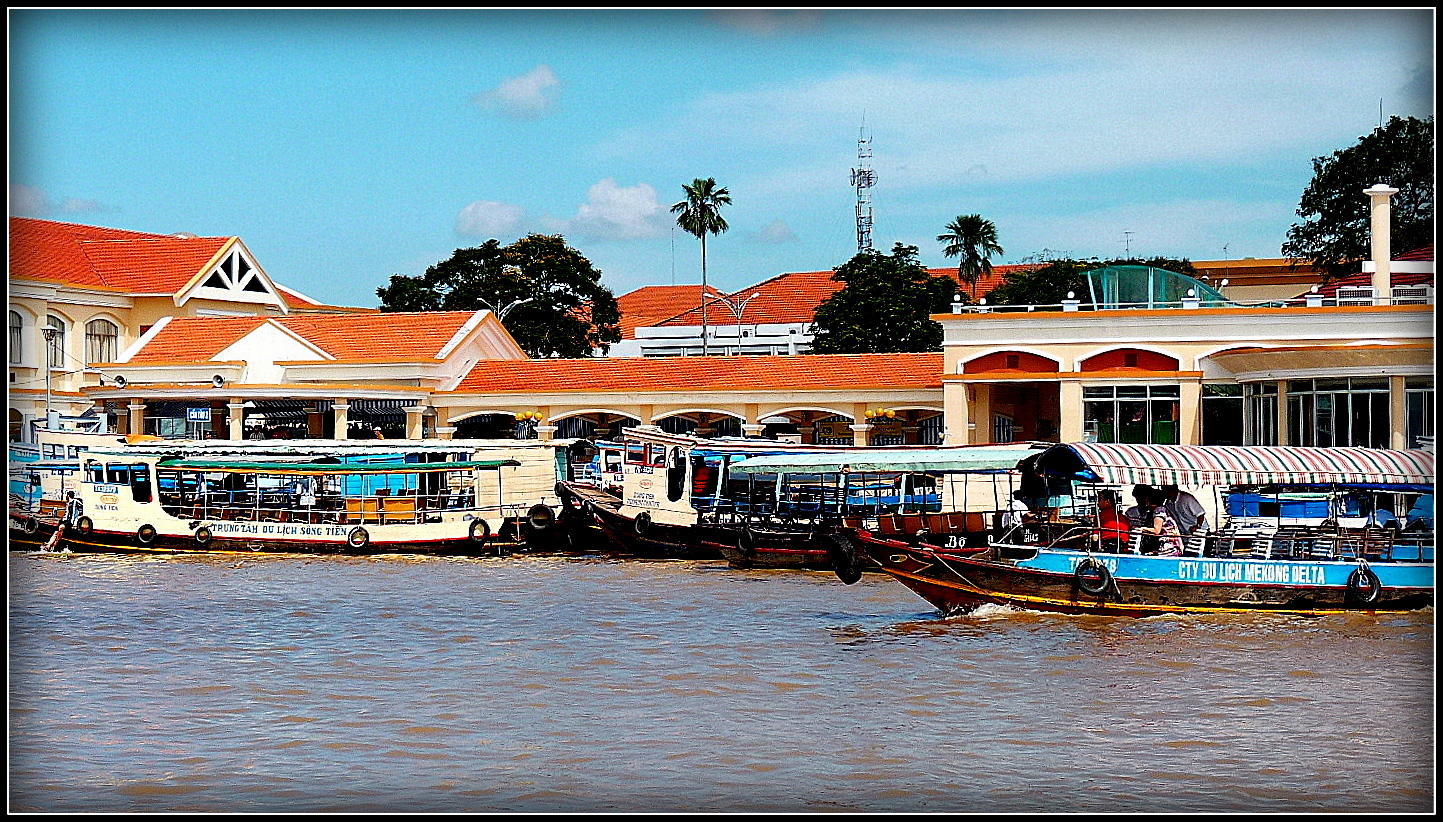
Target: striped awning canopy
{"x": 1235, "y": 465}
{"x": 965, "y": 459}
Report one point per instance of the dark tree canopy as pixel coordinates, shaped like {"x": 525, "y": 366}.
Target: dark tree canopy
{"x": 1336, "y": 233}
{"x": 883, "y": 305}
{"x": 1050, "y": 284}
{"x": 546, "y": 294}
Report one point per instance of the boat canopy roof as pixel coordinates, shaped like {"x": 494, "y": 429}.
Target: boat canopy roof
{"x": 969, "y": 459}
{"x": 241, "y": 467}
{"x": 1195, "y": 465}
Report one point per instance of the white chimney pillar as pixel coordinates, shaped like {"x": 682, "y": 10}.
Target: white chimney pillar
{"x": 1380, "y": 195}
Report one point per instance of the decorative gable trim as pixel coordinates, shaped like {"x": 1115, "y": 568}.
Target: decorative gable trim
{"x": 233, "y": 275}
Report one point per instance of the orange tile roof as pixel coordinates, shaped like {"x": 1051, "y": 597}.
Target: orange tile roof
{"x": 794, "y": 297}
{"x": 810, "y": 371}
{"x": 194, "y": 339}
{"x": 297, "y": 301}
{"x": 94, "y": 257}
{"x": 1418, "y": 254}
{"x": 396, "y": 337}
{"x": 649, "y": 305}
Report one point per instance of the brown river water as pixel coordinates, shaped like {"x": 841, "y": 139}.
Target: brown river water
{"x": 591, "y": 683}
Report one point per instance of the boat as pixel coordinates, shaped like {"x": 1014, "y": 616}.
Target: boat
{"x": 336, "y": 498}
{"x": 1060, "y": 560}
{"x": 886, "y": 491}
{"x": 679, "y": 499}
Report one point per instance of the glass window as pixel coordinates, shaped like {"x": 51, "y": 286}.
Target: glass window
{"x": 1344, "y": 411}
{"x": 1261, "y": 407}
{"x": 1418, "y": 402}
{"x": 101, "y": 338}
{"x": 17, "y": 337}
{"x": 1131, "y": 414}
{"x": 56, "y": 348}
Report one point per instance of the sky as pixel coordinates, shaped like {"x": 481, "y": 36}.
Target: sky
{"x": 347, "y": 146}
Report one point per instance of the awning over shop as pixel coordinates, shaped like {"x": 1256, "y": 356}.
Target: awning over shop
{"x": 1119, "y": 464}
{"x": 972, "y": 459}
{"x": 331, "y": 468}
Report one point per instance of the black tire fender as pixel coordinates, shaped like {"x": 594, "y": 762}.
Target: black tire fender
{"x": 843, "y": 556}
{"x": 479, "y": 531}
{"x": 202, "y": 535}
{"x": 84, "y": 525}
{"x": 30, "y": 524}
{"x": 1092, "y": 577}
{"x": 145, "y": 534}
{"x": 358, "y": 537}
{"x": 541, "y": 517}
{"x": 747, "y": 542}
{"x": 1363, "y": 586}
{"x": 642, "y": 523}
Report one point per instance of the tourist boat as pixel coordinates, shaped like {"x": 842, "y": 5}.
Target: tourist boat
{"x": 1056, "y": 562}
{"x": 882, "y": 490}
{"x": 336, "y": 499}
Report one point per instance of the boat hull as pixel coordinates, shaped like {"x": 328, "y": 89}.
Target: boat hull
{"x": 1135, "y": 585}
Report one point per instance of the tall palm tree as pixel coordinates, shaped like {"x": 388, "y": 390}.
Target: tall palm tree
{"x": 973, "y": 240}
{"x": 700, "y": 214}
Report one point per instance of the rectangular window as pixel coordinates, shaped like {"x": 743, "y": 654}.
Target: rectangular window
{"x": 1338, "y": 412}
{"x": 1418, "y": 400}
{"x": 1131, "y": 414}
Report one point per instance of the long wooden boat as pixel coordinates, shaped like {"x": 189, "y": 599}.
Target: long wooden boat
{"x": 166, "y": 500}
{"x": 1057, "y": 562}
{"x": 884, "y": 490}
{"x": 678, "y": 498}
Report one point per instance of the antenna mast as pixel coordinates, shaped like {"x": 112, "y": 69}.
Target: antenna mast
{"x": 863, "y": 179}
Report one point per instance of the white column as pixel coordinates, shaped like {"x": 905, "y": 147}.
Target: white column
{"x": 1380, "y": 195}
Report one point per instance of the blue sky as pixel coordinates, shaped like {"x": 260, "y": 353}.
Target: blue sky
{"x": 347, "y": 146}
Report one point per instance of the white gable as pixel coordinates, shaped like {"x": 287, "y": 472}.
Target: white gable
{"x": 234, "y": 277}
{"x": 262, "y": 348}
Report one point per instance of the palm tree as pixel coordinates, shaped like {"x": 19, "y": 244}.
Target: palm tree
{"x": 700, "y": 214}
{"x": 974, "y": 240}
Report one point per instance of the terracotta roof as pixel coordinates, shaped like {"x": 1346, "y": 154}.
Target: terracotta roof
{"x": 297, "y": 301}
{"x": 396, "y": 337}
{"x": 194, "y": 339}
{"x": 1418, "y": 254}
{"x": 402, "y": 335}
{"x": 109, "y": 258}
{"x": 649, "y": 305}
{"x": 794, "y": 297}
{"x": 810, "y": 371}
{"x": 1366, "y": 278}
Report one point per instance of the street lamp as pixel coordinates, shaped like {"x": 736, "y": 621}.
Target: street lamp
{"x": 737, "y": 308}
{"x": 50, "y": 332}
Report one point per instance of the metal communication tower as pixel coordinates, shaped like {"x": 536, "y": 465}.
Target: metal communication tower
{"x": 863, "y": 179}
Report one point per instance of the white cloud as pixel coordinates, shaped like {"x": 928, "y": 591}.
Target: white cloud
{"x": 76, "y": 205}
{"x": 775, "y": 232}
{"x": 488, "y": 219}
{"x": 767, "y": 22}
{"x": 27, "y": 201}
{"x": 525, "y": 96}
{"x": 1044, "y": 109}
{"x": 619, "y": 212}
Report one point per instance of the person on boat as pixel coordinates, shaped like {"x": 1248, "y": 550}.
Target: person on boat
{"x": 1161, "y": 525}
{"x": 1112, "y": 526}
{"x": 1185, "y": 509}
{"x": 73, "y": 508}
{"x": 1138, "y": 510}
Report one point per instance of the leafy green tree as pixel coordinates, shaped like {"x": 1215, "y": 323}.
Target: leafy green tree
{"x": 546, "y": 293}
{"x": 699, "y": 215}
{"x": 883, "y": 305}
{"x": 1050, "y": 283}
{"x": 1336, "y": 233}
{"x": 973, "y": 241}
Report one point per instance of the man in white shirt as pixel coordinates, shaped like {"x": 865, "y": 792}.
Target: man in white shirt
{"x": 1185, "y": 509}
